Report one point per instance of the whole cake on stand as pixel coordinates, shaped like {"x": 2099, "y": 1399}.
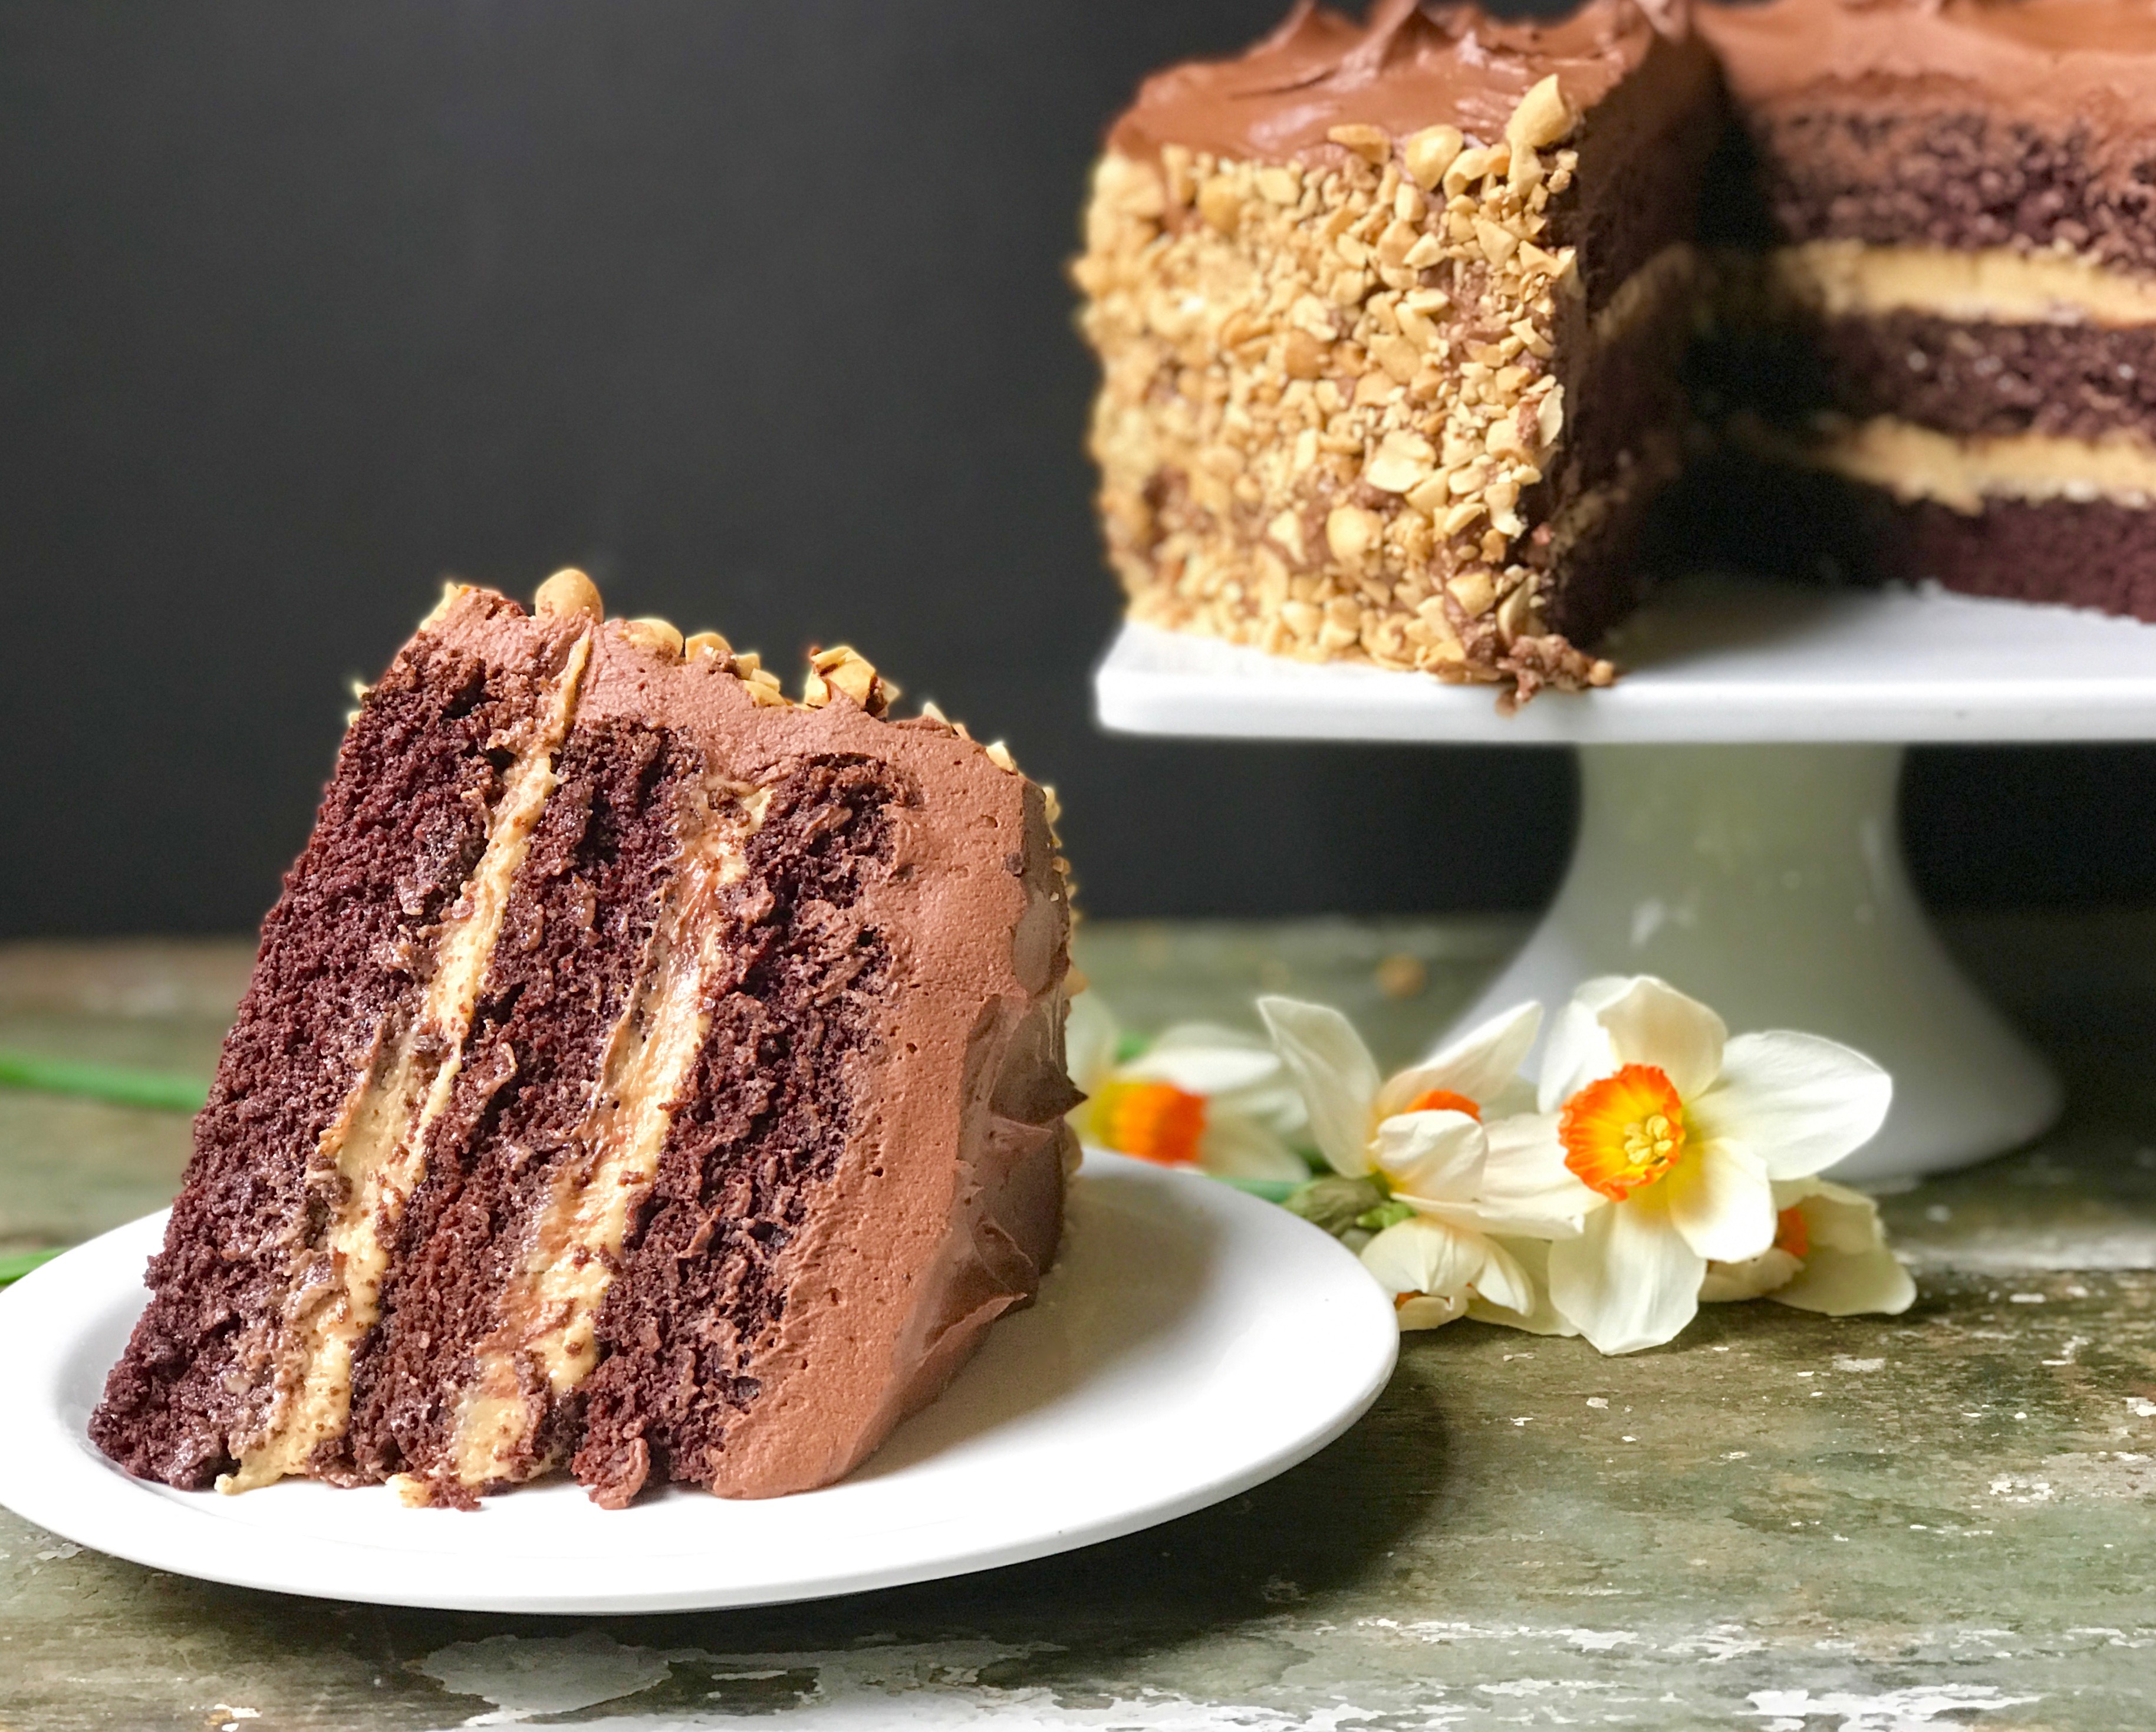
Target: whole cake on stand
{"x": 1431, "y": 342}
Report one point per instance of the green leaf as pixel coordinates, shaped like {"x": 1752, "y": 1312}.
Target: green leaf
{"x": 17, "y": 1264}
{"x": 1385, "y": 1215}
{"x": 1129, "y": 1045}
{"x": 120, "y": 1085}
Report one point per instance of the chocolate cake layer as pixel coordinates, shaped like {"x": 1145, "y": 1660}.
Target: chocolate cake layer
{"x": 621, "y": 1017}
{"x": 1961, "y": 124}
{"x": 1355, "y": 378}
{"x": 1813, "y": 525}
{"x": 2070, "y": 381}
{"x": 573, "y": 946}
{"x": 340, "y": 978}
{"x": 1976, "y": 379}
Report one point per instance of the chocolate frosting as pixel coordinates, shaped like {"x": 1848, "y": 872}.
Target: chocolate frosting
{"x": 946, "y": 1209}
{"x": 2058, "y": 60}
{"x": 1407, "y": 67}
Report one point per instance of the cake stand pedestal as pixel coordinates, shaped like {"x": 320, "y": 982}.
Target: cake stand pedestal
{"x": 1739, "y": 834}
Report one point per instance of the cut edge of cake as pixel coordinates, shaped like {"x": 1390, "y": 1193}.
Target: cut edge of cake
{"x": 1951, "y": 329}
{"x": 642, "y": 1072}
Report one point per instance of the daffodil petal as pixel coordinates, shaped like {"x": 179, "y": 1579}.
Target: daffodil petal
{"x": 1275, "y": 1102}
{"x": 1427, "y": 1310}
{"x": 1476, "y": 1067}
{"x": 1238, "y": 1148}
{"x": 1502, "y": 1281}
{"x": 1434, "y": 1156}
{"x": 1425, "y": 1256}
{"x": 1835, "y": 1217}
{"x": 1579, "y": 1052}
{"x": 1599, "y": 993}
{"x": 1197, "y": 1070}
{"x": 1541, "y": 1318}
{"x": 1208, "y": 1036}
{"x": 1527, "y": 1190}
{"x": 1489, "y": 1054}
{"x": 1200, "y": 1058}
{"x": 1841, "y": 1283}
{"x": 1628, "y": 1281}
{"x": 1090, "y": 1034}
{"x": 1336, "y": 1074}
{"x": 1755, "y": 1278}
{"x": 1800, "y": 1102}
{"x": 1720, "y": 1200}
{"x": 1651, "y": 1022}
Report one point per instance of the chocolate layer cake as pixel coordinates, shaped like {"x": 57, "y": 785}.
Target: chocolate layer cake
{"x": 642, "y": 1073}
{"x": 1389, "y": 315}
{"x": 1952, "y": 345}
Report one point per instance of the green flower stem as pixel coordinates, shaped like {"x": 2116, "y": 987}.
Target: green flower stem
{"x": 19, "y": 1263}
{"x": 114, "y": 1082}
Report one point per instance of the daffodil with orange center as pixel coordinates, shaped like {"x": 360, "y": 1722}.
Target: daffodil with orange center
{"x": 1198, "y": 1096}
{"x": 1680, "y": 1134}
{"x": 1439, "y": 1140}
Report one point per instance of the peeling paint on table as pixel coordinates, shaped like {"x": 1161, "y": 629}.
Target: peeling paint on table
{"x": 1944, "y": 1520}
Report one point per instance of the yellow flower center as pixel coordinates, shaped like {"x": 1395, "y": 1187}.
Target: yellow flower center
{"x": 1791, "y": 1234}
{"x": 1154, "y": 1121}
{"x": 1624, "y": 1132}
{"x": 1442, "y": 1101}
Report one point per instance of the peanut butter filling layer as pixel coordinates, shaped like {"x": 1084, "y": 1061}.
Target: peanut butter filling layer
{"x": 1915, "y": 463}
{"x": 1997, "y": 285}
{"x": 545, "y": 1344}
{"x": 375, "y": 1150}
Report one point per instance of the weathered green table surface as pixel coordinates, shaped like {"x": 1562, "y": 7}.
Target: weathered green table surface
{"x": 1943, "y": 1519}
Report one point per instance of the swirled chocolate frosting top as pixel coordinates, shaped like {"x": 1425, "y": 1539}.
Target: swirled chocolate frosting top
{"x": 1406, "y": 67}
{"x": 2063, "y": 59}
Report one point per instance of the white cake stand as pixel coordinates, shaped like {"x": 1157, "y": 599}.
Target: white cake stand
{"x": 1738, "y": 834}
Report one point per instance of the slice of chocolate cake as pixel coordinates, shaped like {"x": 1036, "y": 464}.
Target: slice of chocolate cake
{"x": 1953, "y": 366}
{"x": 642, "y": 1073}
{"x": 1389, "y": 316}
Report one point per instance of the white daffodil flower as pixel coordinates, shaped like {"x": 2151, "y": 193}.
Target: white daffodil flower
{"x": 1454, "y": 1183}
{"x": 1830, "y": 1255}
{"x": 1435, "y": 1270}
{"x": 1199, "y": 1095}
{"x": 1684, "y": 1132}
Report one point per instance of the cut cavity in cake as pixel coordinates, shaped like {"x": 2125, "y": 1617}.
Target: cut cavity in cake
{"x": 1389, "y": 316}
{"x": 642, "y": 1074}
{"x": 1948, "y": 373}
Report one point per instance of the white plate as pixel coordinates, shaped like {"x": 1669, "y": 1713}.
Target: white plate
{"x": 1190, "y": 1342}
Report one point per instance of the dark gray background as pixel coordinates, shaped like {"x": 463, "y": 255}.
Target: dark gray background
{"x": 757, "y": 312}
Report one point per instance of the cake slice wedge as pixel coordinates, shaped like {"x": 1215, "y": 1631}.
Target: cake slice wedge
{"x": 643, "y": 1074}
{"x": 1389, "y": 315}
